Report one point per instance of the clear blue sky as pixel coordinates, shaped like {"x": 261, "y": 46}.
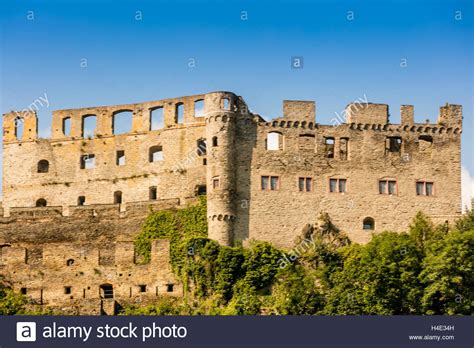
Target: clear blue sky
{"x": 130, "y": 60}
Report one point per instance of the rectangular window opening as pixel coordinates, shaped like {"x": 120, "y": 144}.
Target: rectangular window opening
{"x": 120, "y": 160}
{"x": 87, "y": 161}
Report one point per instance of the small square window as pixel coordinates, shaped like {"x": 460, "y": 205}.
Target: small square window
{"x": 337, "y": 185}
{"x": 87, "y": 161}
{"x": 387, "y": 187}
{"x": 424, "y": 188}
{"x": 23, "y": 291}
{"x": 142, "y": 288}
{"x": 67, "y": 290}
{"x": 169, "y": 287}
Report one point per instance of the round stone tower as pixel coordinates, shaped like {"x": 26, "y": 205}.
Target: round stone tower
{"x": 221, "y": 111}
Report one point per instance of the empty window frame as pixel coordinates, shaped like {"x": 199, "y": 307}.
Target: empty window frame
{"x": 368, "y": 223}
{"x": 338, "y": 185}
{"x": 305, "y": 184}
{"x": 344, "y": 149}
{"x": 81, "y": 200}
{"x": 387, "y": 187}
{"x": 152, "y": 193}
{"x": 394, "y": 144}
{"x": 142, "y": 288}
{"x": 43, "y": 166}
{"x": 87, "y": 161}
{"x": 329, "y": 147}
{"x": 201, "y": 190}
{"x": 274, "y": 141}
{"x": 225, "y": 103}
{"x": 120, "y": 158}
{"x": 306, "y": 142}
{"x": 157, "y": 120}
{"x": 179, "y": 113}
{"x": 122, "y": 122}
{"x": 41, "y": 202}
{"x": 67, "y": 290}
{"x": 424, "y": 188}
{"x": 88, "y": 126}
{"x": 215, "y": 141}
{"x": 118, "y": 197}
{"x": 270, "y": 183}
{"x": 155, "y": 153}
{"x": 216, "y": 183}
{"x": 202, "y": 147}
{"x": 66, "y": 126}
{"x": 199, "y": 108}
{"x": 19, "y": 128}
{"x": 169, "y": 287}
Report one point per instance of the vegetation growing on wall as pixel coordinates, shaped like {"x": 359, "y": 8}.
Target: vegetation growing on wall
{"x": 428, "y": 270}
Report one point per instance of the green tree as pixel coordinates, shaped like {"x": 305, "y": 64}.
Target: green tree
{"x": 448, "y": 275}
{"x": 378, "y": 278}
{"x": 10, "y": 302}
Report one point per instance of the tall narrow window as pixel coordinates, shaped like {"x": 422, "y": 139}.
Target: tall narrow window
{"x": 155, "y": 154}
{"x": 120, "y": 158}
{"x": 179, "y": 113}
{"x": 43, "y": 166}
{"x": 338, "y": 185}
{"x": 67, "y": 126}
{"x": 118, "y": 197}
{"x": 152, "y": 193}
{"x": 157, "y": 120}
{"x": 88, "y": 126}
{"x": 122, "y": 122}
{"x": 201, "y": 147}
{"x": 199, "y": 108}
{"x": 19, "y": 128}
{"x": 270, "y": 183}
{"x": 304, "y": 184}
{"x": 344, "y": 149}
{"x": 215, "y": 141}
{"x": 329, "y": 144}
{"x": 216, "y": 183}
{"x": 274, "y": 141}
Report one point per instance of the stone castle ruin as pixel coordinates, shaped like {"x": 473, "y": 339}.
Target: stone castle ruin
{"x": 73, "y": 203}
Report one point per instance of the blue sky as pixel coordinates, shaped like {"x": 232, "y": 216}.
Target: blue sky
{"x": 394, "y": 52}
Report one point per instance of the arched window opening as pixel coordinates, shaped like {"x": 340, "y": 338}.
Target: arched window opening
{"x": 41, "y": 202}
{"x": 225, "y": 103}
{"x": 155, "y": 153}
{"x": 368, "y": 224}
{"x": 274, "y": 141}
{"x": 19, "y": 128}
{"x": 215, "y": 141}
{"x": 118, "y": 197}
{"x": 88, "y": 126}
{"x": 43, "y": 166}
{"x": 179, "y": 116}
{"x": 157, "y": 120}
{"x": 122, "y": 122}
{"x": 106, "y": 291}
{"x": 202, "y": 147}
{"x": 199, "y": 108}
{"x": 67, "y": 126}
